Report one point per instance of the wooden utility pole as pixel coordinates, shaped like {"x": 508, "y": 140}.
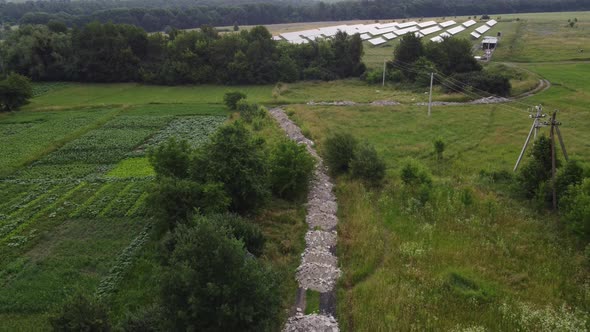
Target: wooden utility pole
{"x": 430, "y": 96}
{"x": 534, "y": 128}
{"x": 384, "y": 61}
{"x": 552, "y": 137}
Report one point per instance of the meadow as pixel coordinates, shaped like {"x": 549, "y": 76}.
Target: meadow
{"x": 468, "y": 255}
{"x": 75, "y": 176}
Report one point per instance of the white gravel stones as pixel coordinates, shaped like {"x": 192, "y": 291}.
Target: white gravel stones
{"x": 318, "y": 270}
{"x": 315, "y": 323}
{"x": 485, "y": 100}
{"x": 320, "y": 239}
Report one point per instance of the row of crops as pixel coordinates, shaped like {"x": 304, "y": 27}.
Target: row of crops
{"x": 75, "y": 181}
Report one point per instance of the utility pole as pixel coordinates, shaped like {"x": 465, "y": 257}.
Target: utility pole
{"x": 384, "y": 61}
{"x": 552, "y": 137}
{"x": 534, "y": 129}
{"x": 430, "y": 96}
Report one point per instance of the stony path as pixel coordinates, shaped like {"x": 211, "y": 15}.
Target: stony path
{"x": 318, "y": 270}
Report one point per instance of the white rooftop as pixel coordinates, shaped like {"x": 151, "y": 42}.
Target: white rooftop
{"x": 426, "y": 24}
{"x": 475, "y": 35}
{"x": 430, "y": 30}
{"x": 455, "y": 30}
{"x": 389, "y": 36}
{"x": 447, "y": 23}
{"x": 377, "y": 41}
{"x": 482, "y": 29}
{"x": 491, "y": 22}
{"x": 469, "y": 23}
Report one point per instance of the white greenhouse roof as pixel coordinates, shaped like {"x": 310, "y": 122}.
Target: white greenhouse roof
{"x": 426, "y": 24}
{"x": 448, "y": 23}
{"x": 406, "y": 25}
{"x": 445, "y": 35}
{"x": 377, "y": 41}
{"x": 469, "y": 23}
{"x": 366, "y": 36}
{"x": 389, "y": 36}
{"x": 482, "y": 29}
{"x": 492, "y": 22}
{"x": 430, "y": 30}
{"x": 437, "y": 39}
{"x": 475, "y": 35}
{"x": 455, "y": 30}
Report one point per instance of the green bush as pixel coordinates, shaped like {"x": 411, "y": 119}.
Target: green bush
{"x": 576, "y": 209}
{"x": 242, "y": 229}
{"x": 81, "y": 314}
{"x": 249, "y": 111}
{"x": 439, "y": 148}
{"x": 174, "y": 201}
{"x": 372, "y": 76}
{"x": 238, "y": 161}
{"x": 145, "y": 320}
{"x": 171, "y": 159}
{"x": 478, "y": 81}
{"x": 537, "y": 170}
{"x": 571, "y": 174}
{"x": 231, "y": 99}
{"x": 367, "y": 165}
{"x": 291, "y": 169}
{"x": 15, "y": 91}
{"x": 339, "y": 151}
{"x": 414, "y": 173}
{"x": 211, "y": 283}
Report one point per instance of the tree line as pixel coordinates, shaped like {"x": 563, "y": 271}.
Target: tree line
{"x": 123, "y": 53}
{"x": 156, "y": 15}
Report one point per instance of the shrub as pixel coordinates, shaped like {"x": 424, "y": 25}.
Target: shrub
{"x": 231, "y": 99}
{"x": 236, "y": 160}
{"x": 537, "y": 170}
{"x": 242, "y": 229}
{"x": 439, "y": 147}
{"x": 414, "y": 173}
{"x": 213, "y": 285}
{"x": 291, "y": 169}
{"x": 576, "y": 209}
{"x": 483, "y": 81}
{"x": 339, "y": 152}
{"x": 367, "y": 165}
{"x": 571, "y": 174}
{"x": 171, "y": 159}
{"x": 249, "y": 111}
{"x": 373, "y": 76}
{"x": 146, "y": 320}
{"x": 81, "y": 314}
{"x": 176, "y": 200}
{"x": 15, "y": 91}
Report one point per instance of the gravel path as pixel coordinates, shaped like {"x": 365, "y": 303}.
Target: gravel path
{"x": 318, "y": 270}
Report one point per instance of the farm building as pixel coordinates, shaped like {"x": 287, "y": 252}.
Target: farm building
{"x": 489, "y": 43}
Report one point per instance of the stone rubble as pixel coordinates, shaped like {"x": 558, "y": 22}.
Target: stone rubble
{"x": 318, "y": 270}
{"x": 332, "y": 103}
{"x": 481, "y": 101}
{"x": 316, "y": 323}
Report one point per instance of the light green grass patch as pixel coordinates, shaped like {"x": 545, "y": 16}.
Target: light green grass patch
{"x": 132, "y": 168}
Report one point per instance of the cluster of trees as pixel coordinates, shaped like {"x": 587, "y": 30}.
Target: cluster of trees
{"x": 572, "y": 186}
{"x": 155, "y": 15}
{"x": 452, "y": 60}
{"x": 118, "y": 53}
{"x": 15, "y": 91}
{"x": 202, "y": 200}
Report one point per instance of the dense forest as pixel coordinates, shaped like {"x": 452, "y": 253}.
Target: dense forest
{"x": 156, "y": 15}
{"x": 123, "y": 53}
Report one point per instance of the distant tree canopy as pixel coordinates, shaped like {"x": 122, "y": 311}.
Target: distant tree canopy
{"x": 156, "y": 15}
{"x": 120, "y": 53}
{"x": 451, "y": 60}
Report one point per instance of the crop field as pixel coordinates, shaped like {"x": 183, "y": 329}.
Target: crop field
{"x": 76, "y": 184}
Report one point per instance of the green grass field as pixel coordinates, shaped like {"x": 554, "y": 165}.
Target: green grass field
{"x": 473, "y": 257}
{"x": 75, "y": 178}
